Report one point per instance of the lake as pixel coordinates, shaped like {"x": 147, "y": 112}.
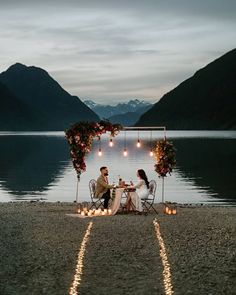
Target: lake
{"x": 37, "y": 166}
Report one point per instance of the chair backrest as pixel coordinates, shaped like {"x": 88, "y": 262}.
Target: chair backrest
{"x": 152, "y": 188}
{"x": 92, "y": 188}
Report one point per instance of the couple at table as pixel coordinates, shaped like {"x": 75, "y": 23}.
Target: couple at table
{"x": 142, "y": 189}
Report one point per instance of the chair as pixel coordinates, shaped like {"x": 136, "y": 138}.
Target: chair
{"x": 95, "y": 202}
{"x": 148, "y": 203}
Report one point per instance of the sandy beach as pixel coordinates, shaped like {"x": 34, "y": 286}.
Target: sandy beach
{"x": 39, "y": 245}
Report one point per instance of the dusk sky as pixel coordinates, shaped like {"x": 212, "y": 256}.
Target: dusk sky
{"x": 112, "y": 51}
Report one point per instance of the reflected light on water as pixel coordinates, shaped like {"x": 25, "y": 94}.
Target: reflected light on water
{"x": 166, "y": 271}
{"x": 79, "y": 266}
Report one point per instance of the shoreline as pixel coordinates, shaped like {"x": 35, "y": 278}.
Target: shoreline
{"x": 40, "y": 243}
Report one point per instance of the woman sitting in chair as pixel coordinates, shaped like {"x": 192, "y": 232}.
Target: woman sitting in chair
{"x": 142, "y": 191}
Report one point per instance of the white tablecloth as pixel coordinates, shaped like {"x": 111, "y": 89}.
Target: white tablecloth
{"x": 116, "y": 202}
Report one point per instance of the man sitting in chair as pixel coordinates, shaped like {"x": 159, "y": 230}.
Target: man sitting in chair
{"x": 102, "y": 190}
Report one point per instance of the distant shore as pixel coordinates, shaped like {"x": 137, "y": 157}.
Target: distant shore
{"x": 40, "y": 243}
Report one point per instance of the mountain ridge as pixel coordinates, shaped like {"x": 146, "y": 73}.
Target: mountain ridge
{"x": 56, "y": 108}
{"x": 207, "y": 100}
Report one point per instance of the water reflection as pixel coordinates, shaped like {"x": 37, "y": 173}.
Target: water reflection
{"x": 34, "y": 167}
{"x": 29, "y": 164}
{"x": 209, "y": 163}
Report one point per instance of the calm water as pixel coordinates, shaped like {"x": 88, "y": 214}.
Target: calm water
{"x": 37, "y": 166}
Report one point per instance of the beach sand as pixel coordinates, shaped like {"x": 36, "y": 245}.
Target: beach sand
{"x": 39, "y": 245}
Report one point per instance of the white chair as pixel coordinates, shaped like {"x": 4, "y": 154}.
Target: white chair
{"x": 95, "y": 202}
{"x": 148, "y": 203}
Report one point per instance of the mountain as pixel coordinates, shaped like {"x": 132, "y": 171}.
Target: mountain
{"x": 52, "y": 106}
{"x": 127, "y": 119}
{"x": 107, "y": 111}
{"x": 207, "y": 100}
{"x": 14, "y": 114}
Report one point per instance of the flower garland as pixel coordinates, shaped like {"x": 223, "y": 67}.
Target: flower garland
{"x": 165, "y": 156}
{"x": 80, "y": 137}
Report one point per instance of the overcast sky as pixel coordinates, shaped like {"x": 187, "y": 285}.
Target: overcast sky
{"x": 112, "y": 51}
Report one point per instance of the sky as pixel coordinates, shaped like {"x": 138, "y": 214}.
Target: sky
{"x": 113, "y": 51}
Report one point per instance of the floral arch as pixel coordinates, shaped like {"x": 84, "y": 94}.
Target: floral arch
{"x": 80, "y": 138}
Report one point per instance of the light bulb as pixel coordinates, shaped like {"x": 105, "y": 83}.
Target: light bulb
{"x": 138, "y": 143}
{"x": 111, "y": 142}
{"x": 100, "y": 152}
{"x": 151, "y": 153}
{"x": 125, "y": 153}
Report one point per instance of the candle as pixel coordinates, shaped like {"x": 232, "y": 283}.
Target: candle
{"x": 169, "y": 211}
{"x": 174, "y": 211}
{"x": 82, "y": 213}
{"x": 109, "y": 211}
{"x": 89, "y": 213}
{"x": 103, "y": 213}
{"x": 79, "y": 211}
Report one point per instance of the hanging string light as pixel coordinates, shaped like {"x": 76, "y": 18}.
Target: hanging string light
{"x": 100, "y": 148}
{"x": 151, "y": 151}
{"x": 138, "y": 142}
{"x": 125, "y": 153}
{"x": 111, "y": 142}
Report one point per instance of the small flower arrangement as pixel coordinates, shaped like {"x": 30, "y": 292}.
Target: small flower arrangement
{"x": 165, "y": 156}
{"x": 80, "y": 138}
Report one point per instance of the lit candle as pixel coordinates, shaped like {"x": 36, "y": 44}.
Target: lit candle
{"x": 105, "y": 211}
{"x": 174, "y": 211}
{"x": 79, "y": 210}
{"x": 166, "y": 210}
{"x": 169, "y": 211}
{"x": 82, "y": 213}
{"x": 89, "y": 213}
{"x": 151, "y": 153}
{"x": 109, "y": 211}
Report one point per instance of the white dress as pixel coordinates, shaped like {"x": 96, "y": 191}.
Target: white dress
{"x": 141, "y": 193}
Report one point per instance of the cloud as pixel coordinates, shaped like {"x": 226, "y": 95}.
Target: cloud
{"x": 116, "y": 49}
